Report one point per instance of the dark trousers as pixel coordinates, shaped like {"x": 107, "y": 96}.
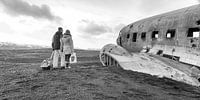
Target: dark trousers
{"x": 67, "y": 57}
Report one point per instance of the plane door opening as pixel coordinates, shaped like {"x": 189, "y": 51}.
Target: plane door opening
{"x": 134, "y": 39}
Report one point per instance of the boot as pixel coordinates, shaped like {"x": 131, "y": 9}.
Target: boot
{"x": 67, "y": 65}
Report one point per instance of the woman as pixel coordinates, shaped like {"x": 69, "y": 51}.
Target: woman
{"x": 67, "y": 48}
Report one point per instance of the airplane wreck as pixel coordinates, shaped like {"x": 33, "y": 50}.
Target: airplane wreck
{"x": 144, "y": 46}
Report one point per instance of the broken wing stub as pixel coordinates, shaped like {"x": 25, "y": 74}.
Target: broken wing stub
{"x": 114, "y": 55}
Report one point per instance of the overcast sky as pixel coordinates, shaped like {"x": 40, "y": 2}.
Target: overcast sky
{"x": 93, "y": 23}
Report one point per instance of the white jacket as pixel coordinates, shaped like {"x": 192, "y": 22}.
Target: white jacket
{"x": 67, "y": 44}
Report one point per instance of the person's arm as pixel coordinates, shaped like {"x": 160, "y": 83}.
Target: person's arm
{"x": 52, "y": 44}
{"x": 72, "y": 45}
{"x": 61, "y": 45}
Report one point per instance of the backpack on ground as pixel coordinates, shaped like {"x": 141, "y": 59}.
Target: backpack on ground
{"x": 47, "y": 63}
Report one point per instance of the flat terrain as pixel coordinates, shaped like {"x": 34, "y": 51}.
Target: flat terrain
{"x": 21, "y": 78}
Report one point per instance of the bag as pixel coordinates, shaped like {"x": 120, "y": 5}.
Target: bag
{"x": 46, "y": 64}
{"x": 73, "y": 58}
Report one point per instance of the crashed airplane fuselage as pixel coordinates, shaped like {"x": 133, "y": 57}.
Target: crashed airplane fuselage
{"x": 175, "y": 34}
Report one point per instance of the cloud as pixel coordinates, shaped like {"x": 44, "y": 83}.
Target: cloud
{"x": 118, "y": 27}
{"x": 6, "y": 28}
{"x": 19, "y": 7}
{"x": 92, "y": 28}
{"x": 149, "y": 6}
{"x": 157, "y": 6}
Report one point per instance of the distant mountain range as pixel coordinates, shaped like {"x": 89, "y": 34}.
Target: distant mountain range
{"x": 8, "y": 45}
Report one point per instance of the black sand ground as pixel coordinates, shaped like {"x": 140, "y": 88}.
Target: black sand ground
{"x": 21, "y": 78}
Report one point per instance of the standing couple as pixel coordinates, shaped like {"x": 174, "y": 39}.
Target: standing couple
{"x": 63, "y": 47}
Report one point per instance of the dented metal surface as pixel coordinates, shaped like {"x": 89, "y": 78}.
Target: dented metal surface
{"x": 177, "y": 35}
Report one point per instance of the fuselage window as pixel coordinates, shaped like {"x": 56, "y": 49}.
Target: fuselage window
{"x": 198, "y": 22}
{"x": 143, "y": 36}
{"x": 154, "y": 35}
{"x": 134, "y": 39}
{"x": 128, "y": 36}
{"x": 193, "y": 32}
{"x": 170, "y": 33}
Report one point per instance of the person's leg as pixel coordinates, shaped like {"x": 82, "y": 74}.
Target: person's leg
{"x": 67, "y": 57}
{"x": 55, "y": 59}
{"x": 62, "y": 59}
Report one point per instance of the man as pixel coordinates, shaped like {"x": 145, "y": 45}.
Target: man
{"x": 56, "y": 47}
